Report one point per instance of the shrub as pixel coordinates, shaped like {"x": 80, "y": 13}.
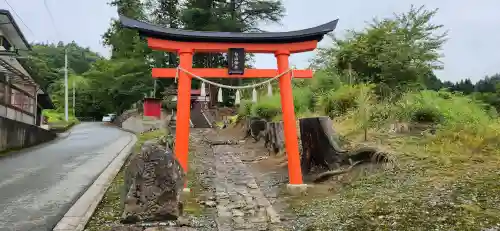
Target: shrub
{"x": 54, "y": 116}
{"x": 245, "y": 108}
{"x": 451, "y": 110}
{"x": 303, "y": 100}
{"x": 323, "y": 82}
{"x": 267, "y": 107}
{"x": 381, "y": 113}
{"x": 338, "y": 102}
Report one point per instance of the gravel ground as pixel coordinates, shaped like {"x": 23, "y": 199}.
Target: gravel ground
{"x": 241, "y": 183}
{"x": 235, "y": 186}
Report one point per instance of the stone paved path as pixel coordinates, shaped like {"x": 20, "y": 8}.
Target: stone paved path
{"x": 240, "y": 203}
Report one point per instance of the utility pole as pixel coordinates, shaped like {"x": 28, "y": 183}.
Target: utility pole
{"x": 66, "y": 84}
{"x": 74, "y": 98}
{"x": 350, "y": 74}
{"x": 154, "y": 88}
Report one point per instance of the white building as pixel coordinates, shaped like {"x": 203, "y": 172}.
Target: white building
{"x": 21, "y": 99}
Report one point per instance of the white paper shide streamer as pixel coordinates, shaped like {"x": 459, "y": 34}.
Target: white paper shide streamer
{"x": 202, "y": 90}
{"x": 219, "y": 95}
{"x": 254, "y": 95}
{"x": 237, "y": 98}
{"x": 269, "y": 89}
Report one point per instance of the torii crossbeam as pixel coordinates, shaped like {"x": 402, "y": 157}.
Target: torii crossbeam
{"x": 185, "y": 43}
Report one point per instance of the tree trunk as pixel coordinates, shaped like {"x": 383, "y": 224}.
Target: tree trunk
{"x": 319, "y": 146}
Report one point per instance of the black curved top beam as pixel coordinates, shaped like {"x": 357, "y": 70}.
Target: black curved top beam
{"x": 150, "y": 30}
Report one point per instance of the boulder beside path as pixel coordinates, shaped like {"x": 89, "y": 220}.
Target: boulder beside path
{"x": 154, "y": 181}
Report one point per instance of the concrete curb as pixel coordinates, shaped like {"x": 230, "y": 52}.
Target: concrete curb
{"x": 82, "y": 210}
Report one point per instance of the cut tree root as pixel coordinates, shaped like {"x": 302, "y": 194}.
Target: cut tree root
{"x": 327, "y": 175}
{"x": 356, "y": 157}
{"x": 319, "y": 146}
{"x": 255, "y": 160}
{"x": 223, "y": 142}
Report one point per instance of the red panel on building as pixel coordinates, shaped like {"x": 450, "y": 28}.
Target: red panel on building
{"x": 152, "y": 107}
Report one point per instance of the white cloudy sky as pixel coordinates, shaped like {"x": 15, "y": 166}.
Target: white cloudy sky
{"x": 471, "y": 52}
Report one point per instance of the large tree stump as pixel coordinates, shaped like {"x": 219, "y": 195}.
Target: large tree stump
{"x": 246, "y": 127}
{"x": 255, "y": 127}
{"x": 153, "y": 184}
{"x": 319, "y": 144}
{"x": 275, "y": 137}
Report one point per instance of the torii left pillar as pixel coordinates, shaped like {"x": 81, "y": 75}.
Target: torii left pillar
{"x": 181, "y": 148}
{"x": 185, "y": 50}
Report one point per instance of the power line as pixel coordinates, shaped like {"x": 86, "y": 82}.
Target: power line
{"x": 52, "y": 19}
{"x": 20, "y": 19}
{"x": 66, "y": 115}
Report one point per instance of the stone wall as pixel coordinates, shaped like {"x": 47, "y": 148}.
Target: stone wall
{"x": 139, "y": 123}
{"x": 124, "y": 116}
{"x": 14, "y": 134}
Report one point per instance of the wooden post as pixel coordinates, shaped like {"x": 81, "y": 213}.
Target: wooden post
{"x": 290, "y": 129}
{"x": 350, "y": 73}
{"x": 183, "y": 109}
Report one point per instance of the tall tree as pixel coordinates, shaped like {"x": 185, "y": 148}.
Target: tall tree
{"x": 165, "y": 13}
{"x": 229, "y": 16}
{"x": 129, "y": 52}
{"x": 398, "y": 52}
{"x": 126, "y": 43}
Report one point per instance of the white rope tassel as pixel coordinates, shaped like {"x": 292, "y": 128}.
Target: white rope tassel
{"x": 176, "y": 75}
{"x": 237, "y": 98}
{"x": 269, "y": 90}
{"x": 219, "y": 95}
{"x": 202, "y": 90}
{"x": 254, "y": 95}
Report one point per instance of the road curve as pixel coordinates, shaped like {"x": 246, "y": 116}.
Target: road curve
{"x": 37, "y": 186}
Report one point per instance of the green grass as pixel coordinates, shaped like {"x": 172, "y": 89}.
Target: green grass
{"x": 431, "y": 190}
{"x": 110, "y": 209}
{"x": 57, "y": 121}
{"x": 191, "y": 205}
{"x": 446, "y": 181}
{"x": 148, "y": 136}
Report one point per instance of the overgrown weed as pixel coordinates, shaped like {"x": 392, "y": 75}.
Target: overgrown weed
{"x": 447, "y": 178}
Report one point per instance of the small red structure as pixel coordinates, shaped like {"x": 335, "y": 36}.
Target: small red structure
{"x": 152, "y": 107}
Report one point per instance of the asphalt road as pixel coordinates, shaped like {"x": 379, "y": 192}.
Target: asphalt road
{"x": 37, "y": 186}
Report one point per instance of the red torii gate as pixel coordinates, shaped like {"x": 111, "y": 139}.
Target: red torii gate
{"x": 185, "y": 43}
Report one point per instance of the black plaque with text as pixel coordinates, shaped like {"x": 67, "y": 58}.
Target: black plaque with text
{"x": 236, "y": 61}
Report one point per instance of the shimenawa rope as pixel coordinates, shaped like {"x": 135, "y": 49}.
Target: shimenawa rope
{"x": 237, "y": 88}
